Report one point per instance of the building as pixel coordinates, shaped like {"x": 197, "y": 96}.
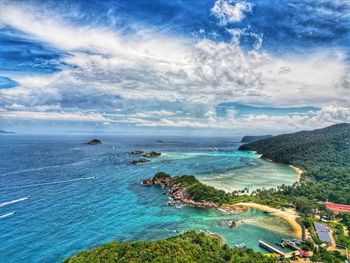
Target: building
{"x": 323, "y": 233}
{"x": 337, "y": 208}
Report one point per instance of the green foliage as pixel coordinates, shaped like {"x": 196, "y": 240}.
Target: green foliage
{"x": 304, "y": 205}
{"x": 323, "y": 154}
{"x": 189, "y": 247}
{"x": 202, "y": 192}
{"x": 199, "y": 192}
{"x": 161, "y": 175}
{"x": 307, "y": 221}
{"x": 308, "y": 245}
{"x": 345, "y": 219}
{"x": 340, "y": 237}
{"x": 186, "y": 180}
{"x": 322, "y": 255}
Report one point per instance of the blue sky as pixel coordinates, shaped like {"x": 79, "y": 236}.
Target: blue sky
{"x": 227, "y": 66}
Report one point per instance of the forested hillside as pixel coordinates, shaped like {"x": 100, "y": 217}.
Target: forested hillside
{"x": 247, "y": 139}
{"x": 188, "y": 247}
{"x": 323, "y": 154}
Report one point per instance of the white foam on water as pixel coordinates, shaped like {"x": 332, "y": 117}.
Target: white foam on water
{"x": 46, "y": 167}
{"x": 50, "y": 183}
{"x": 14, "y": 201}
{"x": 7, "y": 215}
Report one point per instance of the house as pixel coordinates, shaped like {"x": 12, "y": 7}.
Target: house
{"x": 337, "y": 208}
{"x": 322, "y": 233}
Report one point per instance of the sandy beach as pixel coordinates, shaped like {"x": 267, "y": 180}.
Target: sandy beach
{"x": 298, "y": 171}
{"x": 289, "y": 215}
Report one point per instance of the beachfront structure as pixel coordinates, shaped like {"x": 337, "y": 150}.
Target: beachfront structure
{"x": 269, "y": 247}
{"x": 322, "y": 233}
{"x": 337, "y": 208}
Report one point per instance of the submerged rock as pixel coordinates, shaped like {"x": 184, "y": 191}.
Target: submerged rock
{"x": 152, "y": 154}
{"x": 177, "y": 191}
{"x": 148, "y": 182}
{"x": 94, "y": 142}
{"x": 136, "y": 152}
{"x": 142, "y": 160}
{"x": 232, "y": 223}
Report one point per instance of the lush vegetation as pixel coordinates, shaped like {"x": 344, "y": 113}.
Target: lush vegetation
{"x": 322, "y": 255}
{"x": 255, "y": 138}
{"x": 199, "y": 192}
{"x": 345, "y": 219}
{"x": 342, "y": 238}
{"x": 188, "y": 247}
{"x": 323, "y": 154}
{"x": 161, "y": 175}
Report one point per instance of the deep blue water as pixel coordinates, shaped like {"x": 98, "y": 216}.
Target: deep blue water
{"x": 81, "y": 196}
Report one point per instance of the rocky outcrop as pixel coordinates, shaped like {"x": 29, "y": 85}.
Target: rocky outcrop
{"x": 178, "y": 192}
{"x": 94, "y": 142}
{"x": 151, "y": 154}
{"x": 141, "y": 160}
{"x": 232, "y": 223}
{"x": 136, "y": 152}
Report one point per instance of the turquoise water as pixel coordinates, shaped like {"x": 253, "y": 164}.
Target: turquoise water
{"x": 68, "y": 196}
{"x": 245, "y": 171}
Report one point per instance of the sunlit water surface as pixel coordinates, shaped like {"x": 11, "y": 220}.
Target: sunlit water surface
{"x": 68, "y": 196}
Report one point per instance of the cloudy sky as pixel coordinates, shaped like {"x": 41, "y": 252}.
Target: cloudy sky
{"x": 207, "y": 66}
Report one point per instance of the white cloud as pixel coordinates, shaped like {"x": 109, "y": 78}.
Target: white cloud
{"x": 52, "y": 116}
{"x": 149, "y": 79}
{"x": 314, "y": 79}
{"x": 229, "y": 11}
{"x": 328, "y": 115}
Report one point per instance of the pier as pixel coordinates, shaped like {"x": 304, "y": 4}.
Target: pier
{"x": 266, "y": 245}
{"x": 270, "y": 247}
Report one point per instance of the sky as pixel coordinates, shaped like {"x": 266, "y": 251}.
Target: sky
{"x": 171, "y": 66}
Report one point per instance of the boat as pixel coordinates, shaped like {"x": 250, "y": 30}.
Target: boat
{"x": 279, "y": 244}
{"x": 240, "y": 245}
{"x": 285, "y": 240}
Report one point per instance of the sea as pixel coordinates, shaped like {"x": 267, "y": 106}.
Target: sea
{"x": 59, "y": 195}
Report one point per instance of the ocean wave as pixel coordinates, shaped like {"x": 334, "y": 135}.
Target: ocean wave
{"x": 7, "y": 215}
{"x": 14, "y": 201}
{"x": 46, "y": 167}
{"x": 49, "y": 183}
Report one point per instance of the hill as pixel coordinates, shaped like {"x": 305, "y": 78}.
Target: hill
{"x": 188, "y": 247}
{"x": 255, "y": 138}
{"x": 323, "y": 154}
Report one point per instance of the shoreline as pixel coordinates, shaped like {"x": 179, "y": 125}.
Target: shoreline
{"x": 298, "y": 171}
{"x": 178, "y": 193}
{"x": 295, "y": 168}
{"x": 288, "y": 215}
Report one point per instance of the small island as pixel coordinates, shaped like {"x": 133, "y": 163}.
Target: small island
{"x": 152, "y": 154}
{"x": 136, "y": 152}
{"x": 141, "y": 160}
{"x": 94, "y": 142}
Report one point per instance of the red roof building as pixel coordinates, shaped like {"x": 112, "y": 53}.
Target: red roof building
{"x": 337, "y": 208}
{"x": 304, "y": 253}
